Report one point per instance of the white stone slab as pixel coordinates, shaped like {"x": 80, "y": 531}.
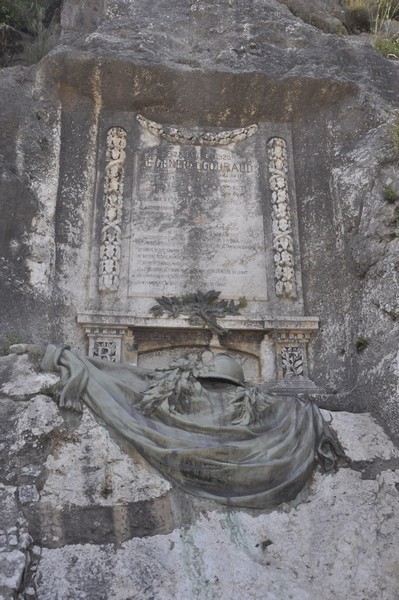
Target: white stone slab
{"x": 342, "y": 543}
{"x": 196, "y": 221}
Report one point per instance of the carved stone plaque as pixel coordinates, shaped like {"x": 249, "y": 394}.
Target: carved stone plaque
{"x": 182, "y": 210}
{"x": 196, "y": 221}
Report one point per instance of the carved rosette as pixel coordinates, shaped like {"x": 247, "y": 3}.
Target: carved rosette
{"x": 281, "y": 220}
{"x": 106, "y": 342}
{"x": 110, "y": 249}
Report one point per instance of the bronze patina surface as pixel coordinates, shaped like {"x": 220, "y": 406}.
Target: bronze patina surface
{"x": 216, "y": 436}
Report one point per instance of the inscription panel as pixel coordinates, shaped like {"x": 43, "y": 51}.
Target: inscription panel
{"x": 196, "y": 222}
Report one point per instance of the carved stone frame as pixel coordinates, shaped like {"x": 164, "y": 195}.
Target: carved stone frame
{"x": 265, "y": 340}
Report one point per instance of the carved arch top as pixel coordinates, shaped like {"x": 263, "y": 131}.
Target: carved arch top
{"x": 205, "y": 138}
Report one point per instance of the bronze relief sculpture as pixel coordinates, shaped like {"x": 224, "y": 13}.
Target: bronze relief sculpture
{"x": 202, "y": 425}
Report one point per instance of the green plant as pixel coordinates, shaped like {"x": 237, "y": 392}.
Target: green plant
{"x": 374, "y": 16}
{"x": 42, "y": 41}
{"x": 30, "y": 17}
{"x": 388, "y": 47}
{"x": 49, "y": 390}
{"x": 386, "y": 44}
{"x": 361, "y": 344}
{"x": 190, "y": 61}
{"x": 8, "y": 342}
{"x": 10, "y": 43}
{"x": 394, "y": 131}
{"x": 358, "y": 15}
{"x": 23, "y": 15}
{"x": 386, "y": 10}
{"x": 390, "y": 195}
{"x": 242, "y": 302}
{"x": 7, "y": 13}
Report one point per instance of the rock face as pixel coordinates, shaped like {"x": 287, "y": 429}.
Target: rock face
{"x": 81, "y": 518}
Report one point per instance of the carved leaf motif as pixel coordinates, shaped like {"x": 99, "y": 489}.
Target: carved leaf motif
{"x": 292, "y": 361}
{"x": 248, "y": 405}
{"x": 176, "y": 385}
{"x": 113, "y": 190}
{"x": 201, "y": 308}
{"x": 281, "y": 222}
{"x": 174, "y": 135}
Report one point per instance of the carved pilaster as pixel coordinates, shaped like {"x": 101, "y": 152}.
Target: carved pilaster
{"x": 267, "y": 359}
{"x": 111, "y": 233}
{"x": 283, "y": 246}
{"x": 292, "y": 361}
{"x": 130, "y": 352}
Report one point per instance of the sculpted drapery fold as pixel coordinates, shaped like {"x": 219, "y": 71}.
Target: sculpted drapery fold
{"x": 224, "y": 440}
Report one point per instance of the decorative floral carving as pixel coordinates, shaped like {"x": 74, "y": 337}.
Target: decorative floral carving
{"x": 113, "y": 202}
{"x": 202, "y": 309}
{"x": 105, "y": 350}
{"x": 175, "y": 136}
{"x": 292, "y": 359}
{"x": 281, "y": 220}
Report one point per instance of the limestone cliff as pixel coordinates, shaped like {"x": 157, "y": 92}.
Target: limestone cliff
{"x": 79, "y": 517}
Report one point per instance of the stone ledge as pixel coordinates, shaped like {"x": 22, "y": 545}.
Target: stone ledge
{"x": 111, "y": 319}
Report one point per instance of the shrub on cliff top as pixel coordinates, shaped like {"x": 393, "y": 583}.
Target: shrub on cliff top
{"x": 32, "y": 18}
{"x": 370, "y": 15}
{"x": 23, "y": 15}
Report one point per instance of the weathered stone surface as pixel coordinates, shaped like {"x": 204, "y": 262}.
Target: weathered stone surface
{"x": 361, "y": 436}
{"x": 24, "y": 380}
{"x": 224, "y": 66}
{"x": 340, "y": 541}
{"x": 111, "y": 479}
{"x": 302, "y": 75}
{"x": 329, "y": 18}
{"x": 14, "y": 543}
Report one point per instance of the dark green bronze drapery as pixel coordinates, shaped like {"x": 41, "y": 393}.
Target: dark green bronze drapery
{"x": 236, "y": 445}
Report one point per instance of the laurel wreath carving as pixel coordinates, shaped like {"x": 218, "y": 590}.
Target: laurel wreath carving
{"x": 248, "y": 406}
{"x": 178, "y": 386}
